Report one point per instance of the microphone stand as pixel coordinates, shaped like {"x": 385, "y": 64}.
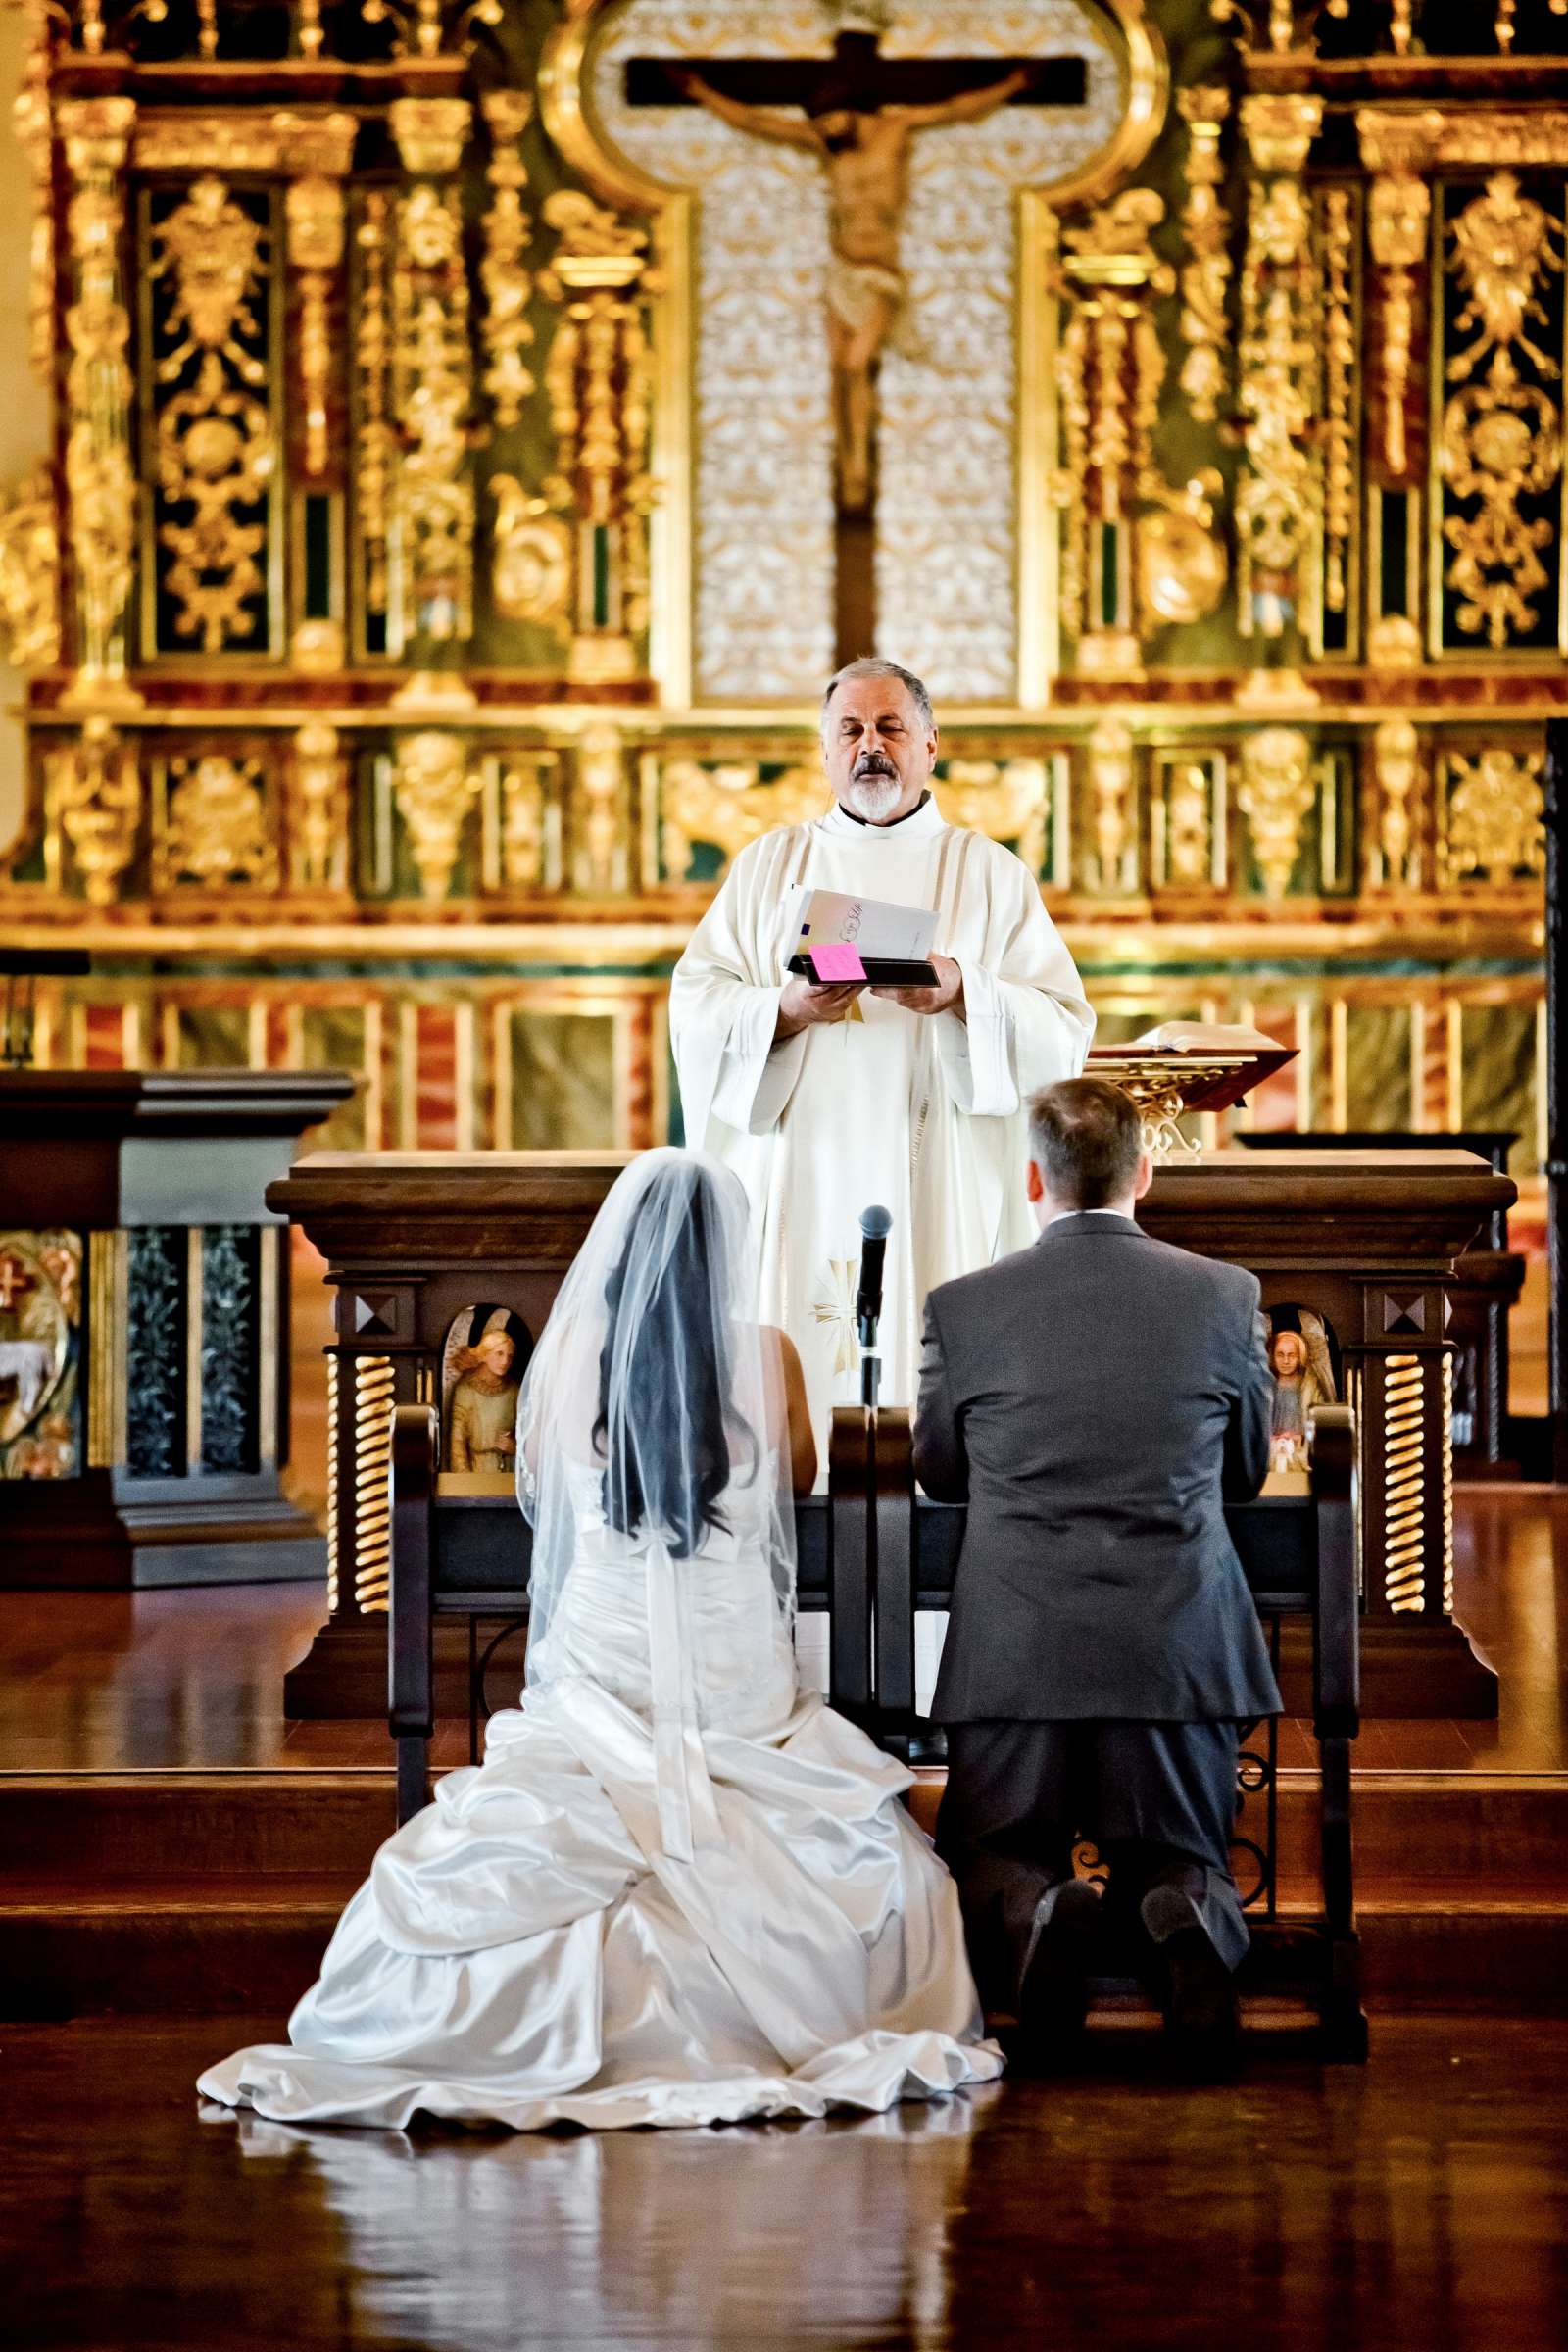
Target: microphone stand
{"x": 871, "y": 1352}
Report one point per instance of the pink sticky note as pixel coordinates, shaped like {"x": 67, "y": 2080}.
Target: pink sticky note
{"x": 837, "y": 960}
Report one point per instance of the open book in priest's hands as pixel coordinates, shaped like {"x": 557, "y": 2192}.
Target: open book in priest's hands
{"x": 877, "y": 941}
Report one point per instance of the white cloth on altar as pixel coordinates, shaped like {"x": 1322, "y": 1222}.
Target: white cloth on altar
{"x": 925, "y": 1115}
{"x": 526, "y": 1952}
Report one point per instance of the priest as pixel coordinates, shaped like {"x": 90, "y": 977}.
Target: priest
{"x": 826, "y": 1100}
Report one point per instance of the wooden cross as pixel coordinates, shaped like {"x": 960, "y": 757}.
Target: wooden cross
{"x": 857, "y": 111}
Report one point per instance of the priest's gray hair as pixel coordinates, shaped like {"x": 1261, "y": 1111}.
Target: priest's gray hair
{"x": 870, "y": 666}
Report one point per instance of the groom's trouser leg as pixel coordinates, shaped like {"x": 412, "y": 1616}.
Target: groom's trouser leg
{"x": 1163, "y": 1811}
{"x": 1004, "y": 1831}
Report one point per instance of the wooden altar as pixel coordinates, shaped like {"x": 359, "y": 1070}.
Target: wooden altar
{"x": 143, "y": 1299}
{"x": 416, "y": 1240}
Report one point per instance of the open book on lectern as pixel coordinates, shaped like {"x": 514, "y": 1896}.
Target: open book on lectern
{"x": 893, "y": 943}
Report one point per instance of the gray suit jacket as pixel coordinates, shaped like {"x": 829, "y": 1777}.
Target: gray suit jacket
{"x": 1097, "y": 1399}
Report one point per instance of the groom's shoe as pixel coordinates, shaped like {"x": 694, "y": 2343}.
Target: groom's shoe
{"x": 1202, "y": 2016}
{"x": 1061, "y": 1954}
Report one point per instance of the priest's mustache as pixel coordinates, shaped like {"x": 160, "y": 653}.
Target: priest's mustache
{"x": 874, "y": 764}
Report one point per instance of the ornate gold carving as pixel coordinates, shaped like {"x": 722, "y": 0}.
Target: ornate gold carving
{"x": 597, "y": 378}
{"x": 1500, "y": 440}
{"x": 34, "y": 123}
{"x": 729, "y": 806}
{"x": 1274, "y": 794}
{"x": 1403, "y": 1483}
{"x": 315, "y": 212}
{"x": 1400, "y": 208}
{"x": 1276, "y": 499}
{"x": 600, "y": 862}
{"x": 375, "y": 443}
{"x": 244, "y": 140}
{"x": 1181, "y": 558}
{"x": 432, "y": 375}
{"x": 1397, "y": 766}
{"x": 435, "y": 788}
{"x": 216, "y": 831}
{"x": 1492, "y": 819}
{"x": 93, "y": 799}
{"x": 317, "y": 648}
{"x": 1009, "y": 800}
{"x": 431, "y": 27}
{"x": 1454, "y": 137}
{"x": 214, "y": 449}
{"x": 1341, "y": 414}
{"x": 1206, "y": 274}
{"x": 525, "y": 818}
{"x": 30, "y": 572}
{"x": 507, "y": 283}
{"x": 1502, "y": 243}
{"x": 1394, "y": 643}
{"x": 100, "y": 480}
{"x": 318, "y": 810}
{"x": 531, "y": 574}
{"x": 1110, "y": 368}
{"x": 1113, "y": 861}
{"x": 1189, "y": 823}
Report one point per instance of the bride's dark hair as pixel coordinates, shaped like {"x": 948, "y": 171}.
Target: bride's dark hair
{"x": 669, "y": 1347}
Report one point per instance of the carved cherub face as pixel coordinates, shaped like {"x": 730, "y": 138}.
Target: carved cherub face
{"x": 1288, "y": 1355}
{"x": 496, "y": 1351}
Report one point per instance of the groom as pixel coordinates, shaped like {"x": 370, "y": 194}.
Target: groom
{"x": 1097, "y": 1398}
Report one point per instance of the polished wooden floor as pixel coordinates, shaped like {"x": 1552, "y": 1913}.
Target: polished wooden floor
{"x": 1420, "y": 2206}
{"x": 93, "y": 1682}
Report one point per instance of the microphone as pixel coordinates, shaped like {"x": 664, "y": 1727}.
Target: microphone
{"x": 875, "y": 1225}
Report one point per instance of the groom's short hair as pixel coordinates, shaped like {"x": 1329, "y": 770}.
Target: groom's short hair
{"x": 1086, "y": 1138}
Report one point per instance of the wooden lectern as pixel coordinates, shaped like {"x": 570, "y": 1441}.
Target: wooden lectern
{"x": 415, "y": 1242}
{"x": 143, "y": 1327}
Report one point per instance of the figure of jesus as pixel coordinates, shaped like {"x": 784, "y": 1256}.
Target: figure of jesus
{"x": 866, "y": 147}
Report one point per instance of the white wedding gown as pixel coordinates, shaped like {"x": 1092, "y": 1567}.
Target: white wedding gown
{"x": 527, "y": 1951}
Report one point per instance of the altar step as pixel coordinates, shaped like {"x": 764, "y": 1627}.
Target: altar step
{"x": 214, "y": 1894}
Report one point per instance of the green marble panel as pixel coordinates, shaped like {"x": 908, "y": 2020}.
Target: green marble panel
{"x": 1498, "y": 1082}
{"x": 1378, "y": 1076}
{"x": 562, "y": 1082}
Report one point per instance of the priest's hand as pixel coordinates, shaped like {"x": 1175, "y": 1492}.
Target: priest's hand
{"x": 946, "y": 997}
{"x": 802, "y": 1004}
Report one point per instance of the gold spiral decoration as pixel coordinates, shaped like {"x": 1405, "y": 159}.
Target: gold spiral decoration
{"x": 331, "y": 1487}
{"x": 1447, "y": 1486}
{"x": 1404, "y": 1476}
{"x": 372, "y": 1502}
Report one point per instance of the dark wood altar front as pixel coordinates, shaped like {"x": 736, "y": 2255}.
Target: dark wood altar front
{"x": 1368, "y": 1241}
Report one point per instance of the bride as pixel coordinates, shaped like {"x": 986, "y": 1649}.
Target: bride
{"x": 679, "y": 1890}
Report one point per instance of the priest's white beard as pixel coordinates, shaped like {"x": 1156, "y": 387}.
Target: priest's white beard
{"x": 873, "y": 796}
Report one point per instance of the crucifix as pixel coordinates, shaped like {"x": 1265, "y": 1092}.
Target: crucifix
{"x": 859, "y": 113}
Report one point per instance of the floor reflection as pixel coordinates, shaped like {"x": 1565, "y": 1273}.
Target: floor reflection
{"x": 686, "y": 2238}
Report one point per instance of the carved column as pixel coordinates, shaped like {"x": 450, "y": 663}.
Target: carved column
{"x": 1278, "y": 498}
{"x": 1206, "y": 272}
{"x": 598, "y": 381}
{"x": 432, "y": 402}
{"x": 1399, "y": 218}
{"x": 1136, "y": 552}
{"x": 320, "y": 150}
{"x": 100, "y": 478}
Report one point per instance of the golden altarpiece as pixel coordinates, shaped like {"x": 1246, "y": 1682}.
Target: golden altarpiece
{"x": 444, "y": 536}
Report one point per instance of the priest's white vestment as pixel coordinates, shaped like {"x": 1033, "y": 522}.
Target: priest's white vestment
{"x": 925, "y": 1115}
